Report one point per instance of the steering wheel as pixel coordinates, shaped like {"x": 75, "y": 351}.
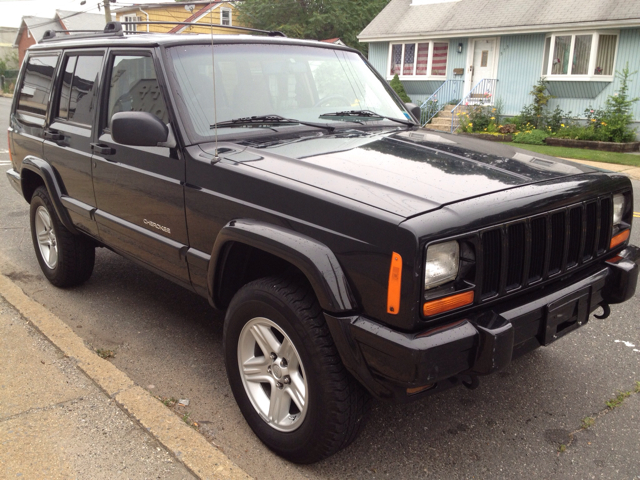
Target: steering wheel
{"x": 325, "y": 102}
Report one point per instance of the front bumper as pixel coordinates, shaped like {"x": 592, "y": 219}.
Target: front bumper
{"x": 392, "y": 364}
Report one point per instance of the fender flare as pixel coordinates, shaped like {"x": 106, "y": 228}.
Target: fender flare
{"x": 314, "y": 259}
{"x": 45, "y": 171}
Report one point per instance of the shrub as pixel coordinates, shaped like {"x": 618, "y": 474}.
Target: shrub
{"x": 540, "y": 101}
{"x": 479, "y": 120}
{"x": 396, "y": 84}
{"x": 531, "y": 137}
{"x": 536, "y": 115}
{"x": 508, "y": 128}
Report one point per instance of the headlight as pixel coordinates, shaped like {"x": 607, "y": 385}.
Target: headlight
{"x": 442, "y": 264}
{"x": 618, "y": 209}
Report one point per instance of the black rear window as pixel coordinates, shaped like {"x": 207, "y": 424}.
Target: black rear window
{"x": 36, "y": 86}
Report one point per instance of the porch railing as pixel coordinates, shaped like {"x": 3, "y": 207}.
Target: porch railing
{"x": 448, "y": 91}
{"x": 483, "y": 93}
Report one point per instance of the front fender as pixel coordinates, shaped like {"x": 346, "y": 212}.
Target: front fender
{"x": 315, "y": 260}
{"x": 48, "y": 175}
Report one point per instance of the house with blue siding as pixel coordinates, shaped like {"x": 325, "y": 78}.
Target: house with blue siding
{"x": 446, "y": 51}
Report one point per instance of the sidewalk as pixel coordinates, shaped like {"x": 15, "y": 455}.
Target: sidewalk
{"x": 632, "y": 172}
{"x": 67, "y": 413}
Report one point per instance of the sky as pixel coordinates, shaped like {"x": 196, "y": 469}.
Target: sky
{"x": 12, "y": 11}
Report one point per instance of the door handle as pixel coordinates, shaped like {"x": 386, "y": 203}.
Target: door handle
{"x": 54, "y": 136}
{"x": 102, "y": 149}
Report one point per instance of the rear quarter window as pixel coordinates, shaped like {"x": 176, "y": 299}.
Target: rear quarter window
{"x": 36, "y": 86}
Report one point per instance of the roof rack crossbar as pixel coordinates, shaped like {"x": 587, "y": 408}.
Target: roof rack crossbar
{"x": 111, "y": 29}
{"x": 271, "y": 33}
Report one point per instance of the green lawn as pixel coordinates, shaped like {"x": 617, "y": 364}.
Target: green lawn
{"x": 583, "y": 154}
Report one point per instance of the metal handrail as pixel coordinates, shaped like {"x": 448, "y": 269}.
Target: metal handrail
{"x": 446, "y": 92}
{"x": 482, "y": 93}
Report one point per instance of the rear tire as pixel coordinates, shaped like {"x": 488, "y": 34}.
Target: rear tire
{"x": 297, "y": 396}
{"x": 65, "y": 259}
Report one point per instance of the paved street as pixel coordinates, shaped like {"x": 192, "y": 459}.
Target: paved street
{"x": 169, "y": 340}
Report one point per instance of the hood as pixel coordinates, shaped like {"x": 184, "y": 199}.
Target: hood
{"x": 405, "y": 174}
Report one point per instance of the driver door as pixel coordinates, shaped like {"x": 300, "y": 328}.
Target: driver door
{"x": 139, "y": 190}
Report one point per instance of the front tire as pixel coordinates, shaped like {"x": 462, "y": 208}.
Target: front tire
{"x": 286, "y": 374}
{"x": 65, "y": 259}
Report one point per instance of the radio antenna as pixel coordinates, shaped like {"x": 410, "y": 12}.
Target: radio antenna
{"x": 215, "y": 105}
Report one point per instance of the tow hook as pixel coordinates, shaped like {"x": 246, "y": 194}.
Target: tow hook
{"x": 606, "y": 311}
{"x": 471, "y": 381}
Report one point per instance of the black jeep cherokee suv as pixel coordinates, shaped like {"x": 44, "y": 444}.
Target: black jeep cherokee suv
{"x": 283, "y": 180}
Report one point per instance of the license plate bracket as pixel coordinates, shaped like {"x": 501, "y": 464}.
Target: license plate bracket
{"x": 566, "y": 315}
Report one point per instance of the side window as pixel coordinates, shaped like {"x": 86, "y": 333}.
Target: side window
{"x": 134, "y": 87}
{"x": 65, "y": 92}
{"x": 36, "y": 86}
{"x": 83, "y": 98}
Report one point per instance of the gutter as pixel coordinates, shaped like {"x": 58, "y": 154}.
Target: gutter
{"x": 140, "y": 8}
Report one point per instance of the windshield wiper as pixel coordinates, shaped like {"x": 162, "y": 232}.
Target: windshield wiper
{"x": 269, "y": 120}
{"x": 366, "y": 113}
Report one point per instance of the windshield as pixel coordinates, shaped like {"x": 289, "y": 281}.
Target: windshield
{"x": 295, "y": 82}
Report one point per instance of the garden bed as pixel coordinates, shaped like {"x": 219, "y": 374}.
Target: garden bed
{"x": 591, "y": 145}
{"x": 490, "y": 136}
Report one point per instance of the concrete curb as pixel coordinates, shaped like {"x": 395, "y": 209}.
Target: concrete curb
{"x": 187, "y": 445}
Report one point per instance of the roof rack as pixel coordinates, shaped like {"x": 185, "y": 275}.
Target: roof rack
{"x": 111, "y": 29}
{"x": 114, "y": 29}
{"x": 271, "y": 33}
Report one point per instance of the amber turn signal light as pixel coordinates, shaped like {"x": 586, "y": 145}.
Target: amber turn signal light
{"x": 619, "y": 238}
{"x": 395, "y": 284}
{"x": 448, "y": 303}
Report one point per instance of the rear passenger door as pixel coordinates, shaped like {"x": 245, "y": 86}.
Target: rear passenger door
{"x": 69, "y": 136}
{"x": 139, "y": 190}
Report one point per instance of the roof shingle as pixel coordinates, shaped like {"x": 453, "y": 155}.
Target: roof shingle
{"x": 401, "y": 18}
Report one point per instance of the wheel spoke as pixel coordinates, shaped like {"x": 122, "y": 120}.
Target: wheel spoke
{"x": 53, "y": 256}
{"x": 279, "y": 405}
{"x": 287, "y": 351}
{"x": 46, "y": 219}
{"x": 297, "y": 391}
{"x": 43, "y": 238}
{"x": 255, "y": 370}
{"x": 265, "y": 339}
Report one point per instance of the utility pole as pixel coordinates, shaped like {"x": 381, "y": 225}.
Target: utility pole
{"x": 107, "y": 10}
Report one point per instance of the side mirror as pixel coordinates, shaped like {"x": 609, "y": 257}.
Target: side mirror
{"x": 414, "y": 110}
{"x": 140, "y": 129}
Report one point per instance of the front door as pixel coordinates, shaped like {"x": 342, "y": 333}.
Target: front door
{"x": 139, "y": 189}
{"x": 483, "y": 66}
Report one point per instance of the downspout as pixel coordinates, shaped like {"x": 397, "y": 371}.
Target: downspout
{"x": 140, "y": 8}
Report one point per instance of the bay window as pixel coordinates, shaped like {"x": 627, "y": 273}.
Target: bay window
{"x": 580, "y": 56}
{"x": 419, "y": 60}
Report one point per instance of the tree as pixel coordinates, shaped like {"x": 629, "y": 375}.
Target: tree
{"x": 396, "y": 84}
{"x": 312, "y": 19}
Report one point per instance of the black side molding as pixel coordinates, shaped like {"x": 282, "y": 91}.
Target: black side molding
{"x": 46, "y": 172}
